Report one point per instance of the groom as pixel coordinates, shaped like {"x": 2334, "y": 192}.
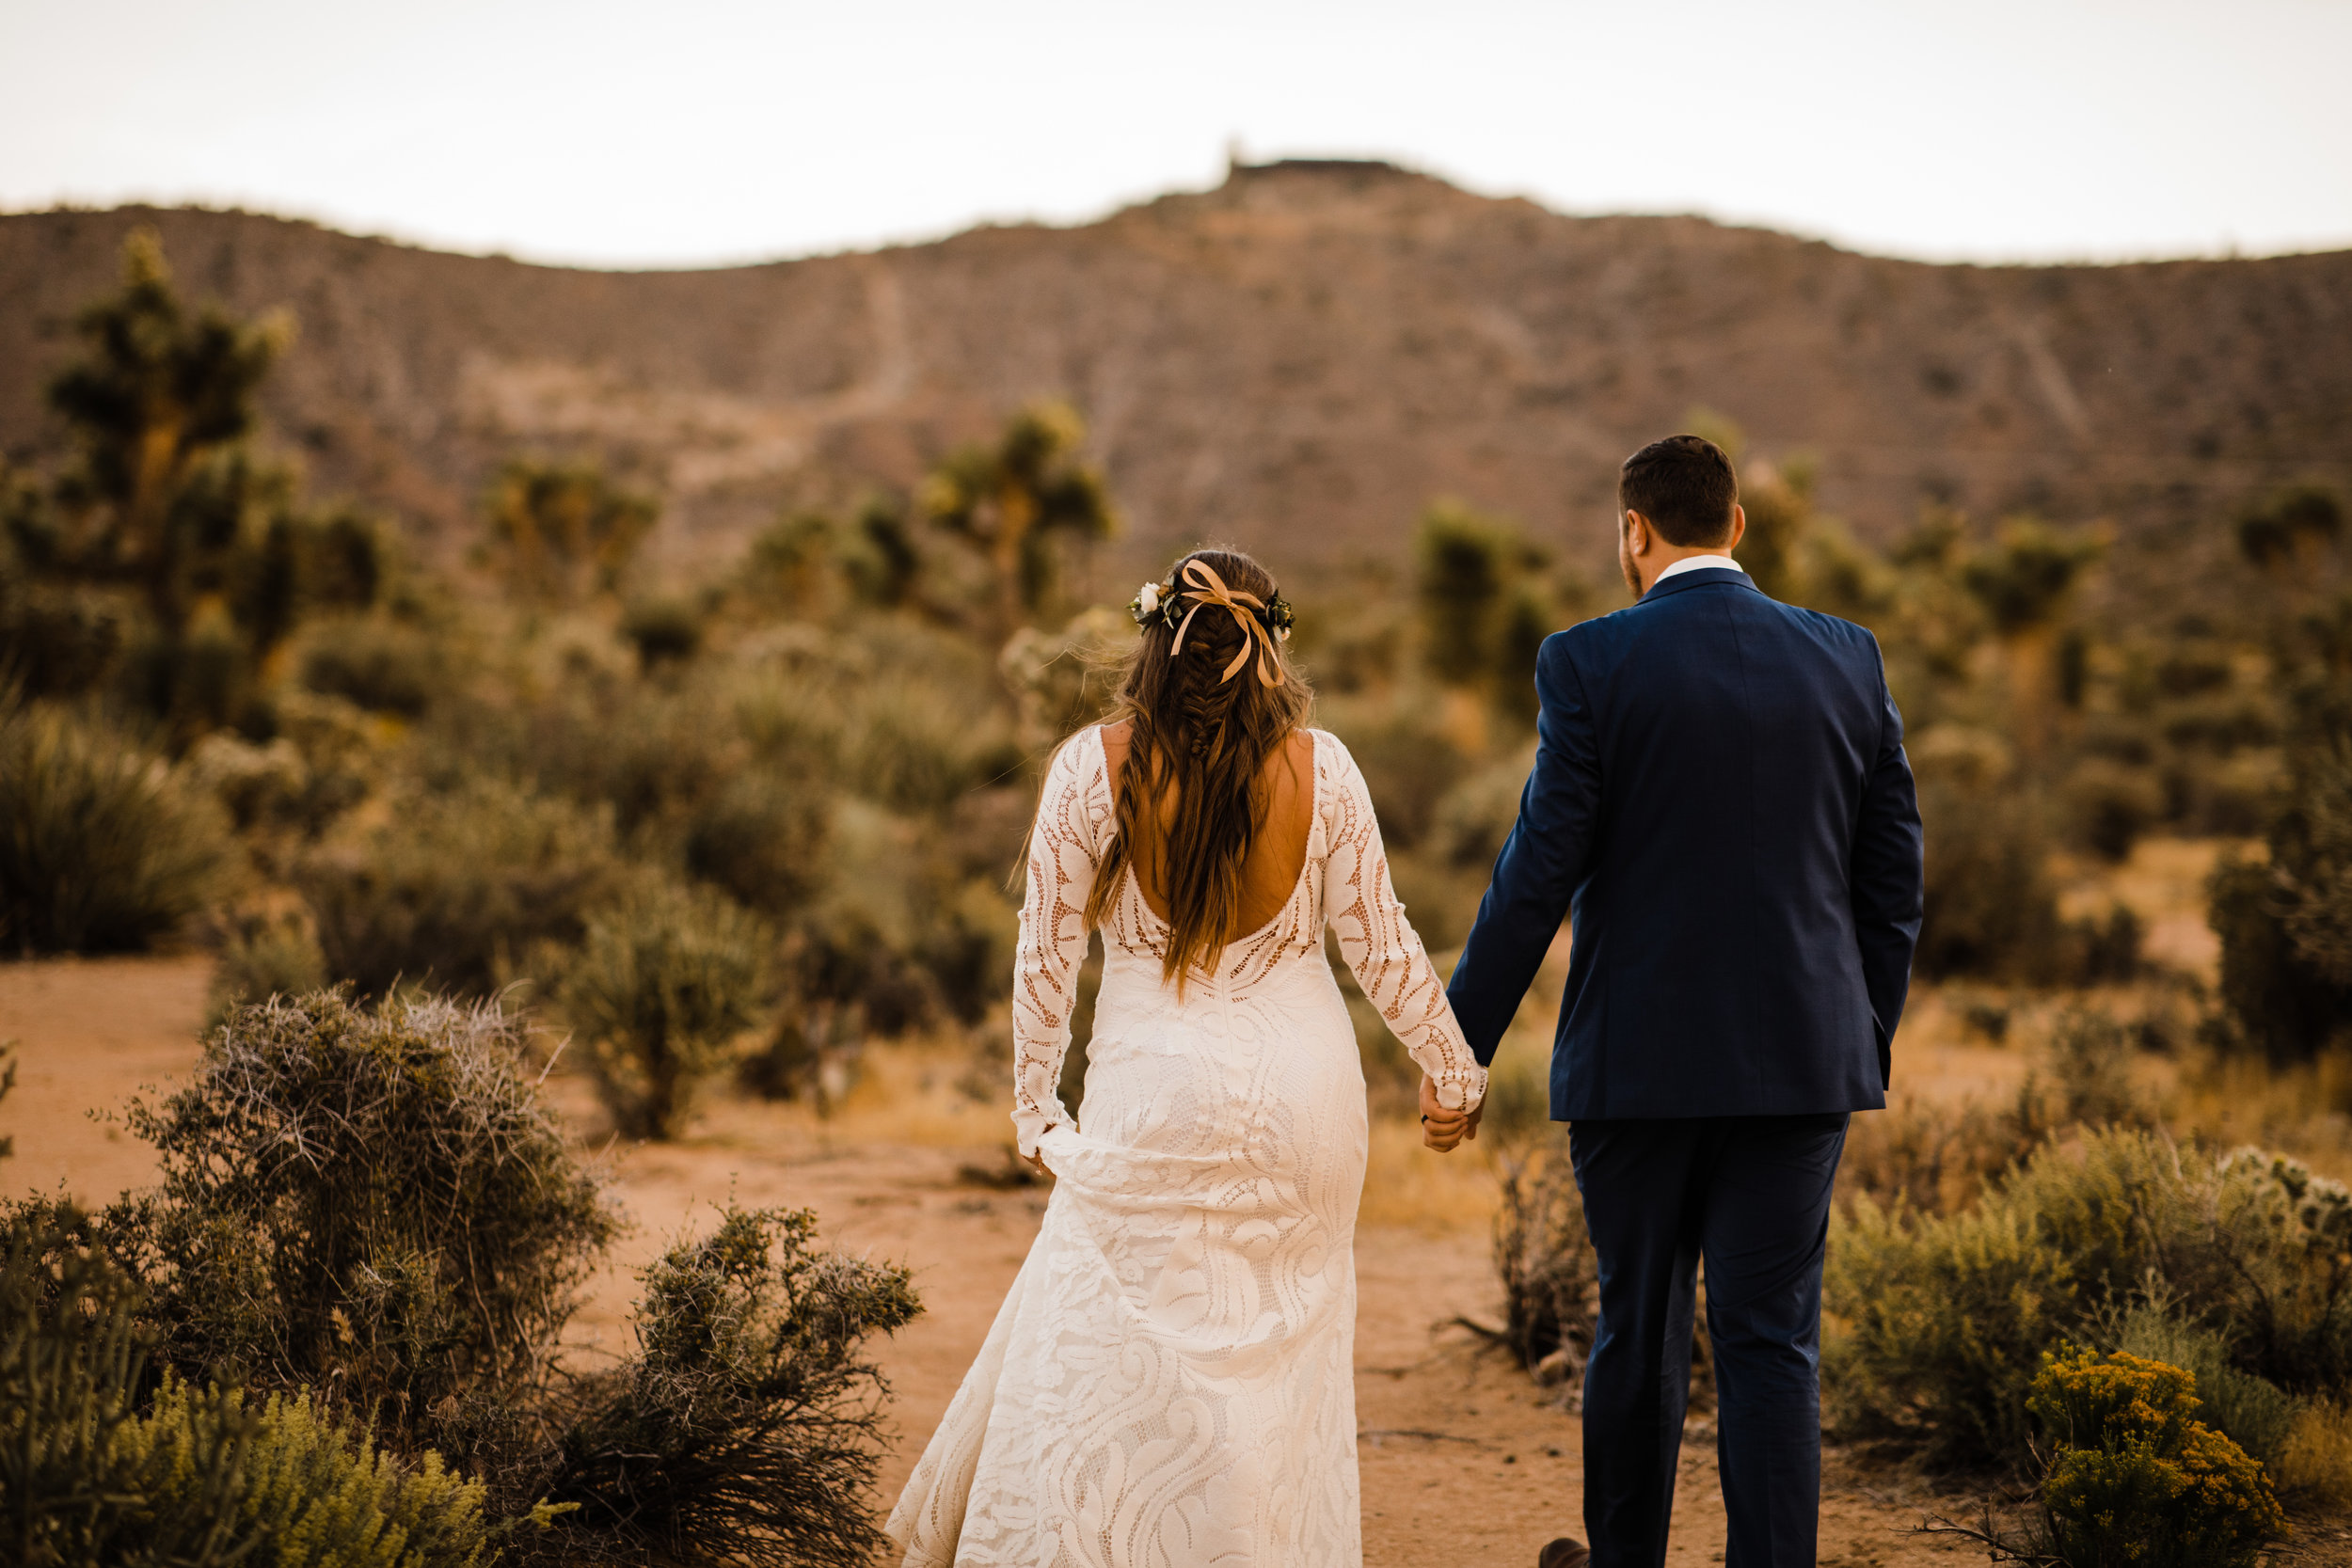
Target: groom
{"x": 1721, "y": 807}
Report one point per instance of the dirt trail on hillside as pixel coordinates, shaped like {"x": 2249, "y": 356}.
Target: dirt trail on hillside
{"x": 1464, "y": 1460}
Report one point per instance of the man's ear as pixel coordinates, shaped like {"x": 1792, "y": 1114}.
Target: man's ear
{"x": 1638, "y": 533}
{"x": 1738, "y": 526}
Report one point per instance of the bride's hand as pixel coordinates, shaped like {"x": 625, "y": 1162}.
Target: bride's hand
{"x": 1443, "y": 1130}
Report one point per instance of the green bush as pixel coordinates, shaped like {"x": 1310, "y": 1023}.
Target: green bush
{"x": 2259, "y": 1416}
{"x": 1941, "y": 1318}
{"x": 660, "y": 988}
{"x": 309, "y": 1491}
{"x": 373, "y": 1202}
{"x": 746, "y": 1427}
{"x": 451, "y": 888}
{"x": 2135, "y": 1482}
{"x": 1938, "y": 1322}
{"x": 81, "y": 1481}
{"x": 104, "y": 847}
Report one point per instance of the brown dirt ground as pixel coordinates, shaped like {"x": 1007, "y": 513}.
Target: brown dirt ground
{"x": 1464, "y": 1460}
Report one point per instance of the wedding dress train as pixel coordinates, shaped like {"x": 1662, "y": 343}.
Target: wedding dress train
{"x": 1169, "y": 1382}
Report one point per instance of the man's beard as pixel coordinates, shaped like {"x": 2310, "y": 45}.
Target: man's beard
{"x": 1625, "y": 562}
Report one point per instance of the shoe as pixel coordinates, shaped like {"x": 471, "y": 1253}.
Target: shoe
{"x": 1567, "y": 1552}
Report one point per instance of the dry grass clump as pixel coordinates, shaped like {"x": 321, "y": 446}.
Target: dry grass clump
{"x": 103, "y": 846}
{"x": 2315, "y": 1464}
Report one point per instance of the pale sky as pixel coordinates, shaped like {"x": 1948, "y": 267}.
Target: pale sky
{"x": 704, "y": 130}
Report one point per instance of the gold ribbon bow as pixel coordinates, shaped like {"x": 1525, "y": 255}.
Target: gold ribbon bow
{"x": 1206, "y": 588}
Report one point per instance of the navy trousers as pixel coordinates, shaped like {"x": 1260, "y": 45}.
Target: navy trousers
{"x": 1751, "y": 1196}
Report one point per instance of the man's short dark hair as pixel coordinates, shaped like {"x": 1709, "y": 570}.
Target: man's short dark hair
{"x": 1685, "y": 486}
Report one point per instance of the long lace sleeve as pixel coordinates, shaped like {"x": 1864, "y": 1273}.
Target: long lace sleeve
{"x": 1379, "y": 944}
{"x": 1071, "y": 814}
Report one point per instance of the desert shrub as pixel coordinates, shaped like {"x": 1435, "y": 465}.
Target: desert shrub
{"x": 2090, "y": 1067}
{"x": 1408, "y": 767}
{"x": 968, "y": 944}
{"x": 1990, "y": 909}
{"x": 102, "y": 845}
{"x": 2136, "y": 1480}
{"x": 78, "y": 1485}
{"x": 916, "y": 748}
{"x": 1939, "y": 1322}
{"x": 762, "y": 839}
{"x": 59, "y": 640}
{"x": 2111, "y": 806}
{"x": 665, "y": 629}
{"x": 451, "y": 887}
{"x": 2103, "y": 952}
{"x": 1942, "y": 1318}
{"x": 1475, "y": 816}
{"x": 2317, "y": 1464}
{"x": 261, "y": 785}
{"x": 263, "y": 957}
{"x": 660, "y": 987}
{"x": 1931, "y": 1159}
{"x": 309, "y": 1491}
{"x": 376, "y": 663}
{"x": 1551, "y": 1275}
{"x": 373, "y": 1203}
{"x": 745, "y": 1429}
{"x": 2259, "y": 1416}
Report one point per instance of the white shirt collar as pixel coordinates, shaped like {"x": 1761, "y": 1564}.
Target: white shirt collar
{"x": 1697, "y": 564}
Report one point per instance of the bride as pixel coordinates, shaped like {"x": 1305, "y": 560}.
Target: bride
{"x": 1170, "y": 1381}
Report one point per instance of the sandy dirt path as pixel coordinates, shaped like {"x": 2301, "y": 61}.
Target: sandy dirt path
{"x": 1464, "y": 1461}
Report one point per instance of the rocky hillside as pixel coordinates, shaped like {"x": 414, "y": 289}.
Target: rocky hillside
{"x": 1296, "y": 360}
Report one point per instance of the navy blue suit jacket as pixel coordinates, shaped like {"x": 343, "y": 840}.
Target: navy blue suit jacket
{"x": 1722, "y": 805}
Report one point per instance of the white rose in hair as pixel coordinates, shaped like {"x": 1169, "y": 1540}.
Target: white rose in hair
{"x": 1149, "y": 600}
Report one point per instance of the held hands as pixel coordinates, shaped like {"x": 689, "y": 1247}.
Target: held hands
{"x": 1443, "y": 1130}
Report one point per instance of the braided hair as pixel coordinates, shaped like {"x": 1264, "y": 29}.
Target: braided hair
{"x": 1208, "y": 701}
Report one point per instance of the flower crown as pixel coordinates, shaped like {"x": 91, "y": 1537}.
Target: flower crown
{"x": 1263, "y": 621}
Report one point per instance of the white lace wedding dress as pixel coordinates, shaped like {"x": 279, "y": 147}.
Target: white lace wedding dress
{"x": 1170, "y": 1381}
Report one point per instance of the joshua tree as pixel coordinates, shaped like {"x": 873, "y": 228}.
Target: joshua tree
{"x": 158, "y": 404}
{"x": 169, "y": 515}
{"x": 1010, "y": 499}
{"x": 2291, "y": 529}
{"x": 2023, "y": 583}
{"x": 1484, "y": 608}
{"x": 553, "y": 524}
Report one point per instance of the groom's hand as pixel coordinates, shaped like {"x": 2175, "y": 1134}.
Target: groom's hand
{"x": 1443, "y": 1130}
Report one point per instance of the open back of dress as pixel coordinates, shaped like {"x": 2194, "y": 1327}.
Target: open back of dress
{"x": 1169, "y": 1381}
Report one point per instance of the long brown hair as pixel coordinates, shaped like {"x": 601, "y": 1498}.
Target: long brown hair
{"x": 1202, "y": 723}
